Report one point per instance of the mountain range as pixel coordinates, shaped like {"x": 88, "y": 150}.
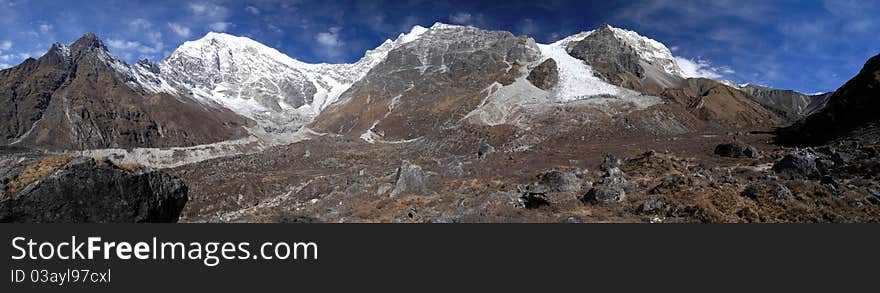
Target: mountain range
{"x": 222, "y": 88}
{"x": 445, "y": 123}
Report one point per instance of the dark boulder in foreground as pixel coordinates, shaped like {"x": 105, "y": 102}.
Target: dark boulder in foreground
{"x": 57, "y": 189}
{"x": 798, "y": 165}
{"x": 734, "y": 150}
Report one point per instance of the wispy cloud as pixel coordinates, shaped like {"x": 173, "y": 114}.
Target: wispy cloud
{"x": 330, "y": 42}
{"x": 180, "y": 30}
{"x": 461, "y": 18}
{"x": 45, "y": 28}
{"x": 252, "y": 10}
{"x": 329, "y": 38}
{"x": 140, "y": 23}
{"x": 701, "y": 68}
{"x": 220, "y": 26}
{"x": 129, "y": 46}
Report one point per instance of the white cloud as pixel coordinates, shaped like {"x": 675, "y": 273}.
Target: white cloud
{"x": 330, "y": 44}
{"x": 252, "y": 10}
{"x": 220, "y": 26}
{"x": 330, "y": 38}
{"x": 127, "y": 46}
{"x": 4, "y": 66}
{"x": 208, "y": 11}
{"x": 461, "y": 18}
{"x": 5, "y": 45}
{"x": 140, "y": 23}
{"x": 155, "y": 37}
{"x": 45, "y": 28}
{"x": 702, "y": 68}
{"x": 180, "y": 30}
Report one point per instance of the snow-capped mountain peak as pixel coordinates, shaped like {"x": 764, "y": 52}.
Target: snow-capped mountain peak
{"x": 649, "y": 50}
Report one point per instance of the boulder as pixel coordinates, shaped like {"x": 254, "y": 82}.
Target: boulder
{"x": 485, "y": 150}
{"x": 735, "y": 150}
{"x": 610, "y": 162}
{"x": 771, "y": 190}
{"x": 558, "y": 181}
{"x": 531, "y": 200}
{"x": 653, "y": 204}
{"x": 798, "y": 165}
{"x": 411, "y": 179}
{"x": 604, "y": 195}
{"x": 87, "y": 191}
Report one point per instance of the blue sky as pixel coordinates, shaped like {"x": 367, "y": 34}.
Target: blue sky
{"x": 806, "y": 45}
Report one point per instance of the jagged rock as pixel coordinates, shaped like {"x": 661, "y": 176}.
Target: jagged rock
{"x": 875, "y": 198}
{"x": 384, "y": 188}
{"x": 454, "y": 169}
{"x": 730, "y": 180}
{"x": 772, "y": 190}
{"x": 604, "y": 195}
{"x": 558, "y": 181}
{"x": 545, "y": 76}
{"x": 485, "y": 150}
{"x": 653, "y": 204}
{"x": 671, "y": 183}
{"x": 411, "y": 179}
{"x": 751, "y": 152}
{"x": 841, "y": 158}
{"x": 801, "y": 165}
{"x": 735, "y": 150}
{"x": 86, "y": 191}
{"x": 610, "y": 162}
{"x": 531, "y": 200}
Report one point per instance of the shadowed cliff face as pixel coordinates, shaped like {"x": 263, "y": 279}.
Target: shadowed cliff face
{"x": 77, "y": 97}
{"x": 66, "y": 190}
{"x": 853, "y": 106}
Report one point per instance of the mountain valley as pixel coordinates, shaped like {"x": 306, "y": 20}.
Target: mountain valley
{"x": 444, "y": 124}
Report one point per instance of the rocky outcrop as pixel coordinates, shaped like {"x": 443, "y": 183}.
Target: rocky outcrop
{"x": 610, "y": 56}
{"x": 558, "y": 181}
{"x": 83, "y": 190}
{"x": 411, "y": 179}
{"x": 545, "y": 76}
{"x": 735, "y": 150}
{"x": 798, "y": 165}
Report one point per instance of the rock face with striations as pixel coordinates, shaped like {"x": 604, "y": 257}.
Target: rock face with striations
{"x": 65, "y": 190}
{"x": 428, "y": 83}
{"x": 610, "y": 56}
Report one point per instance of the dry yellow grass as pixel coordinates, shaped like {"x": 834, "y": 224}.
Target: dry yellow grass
{"x": 37, "y": 171}
{"x": 125, "y": 167}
